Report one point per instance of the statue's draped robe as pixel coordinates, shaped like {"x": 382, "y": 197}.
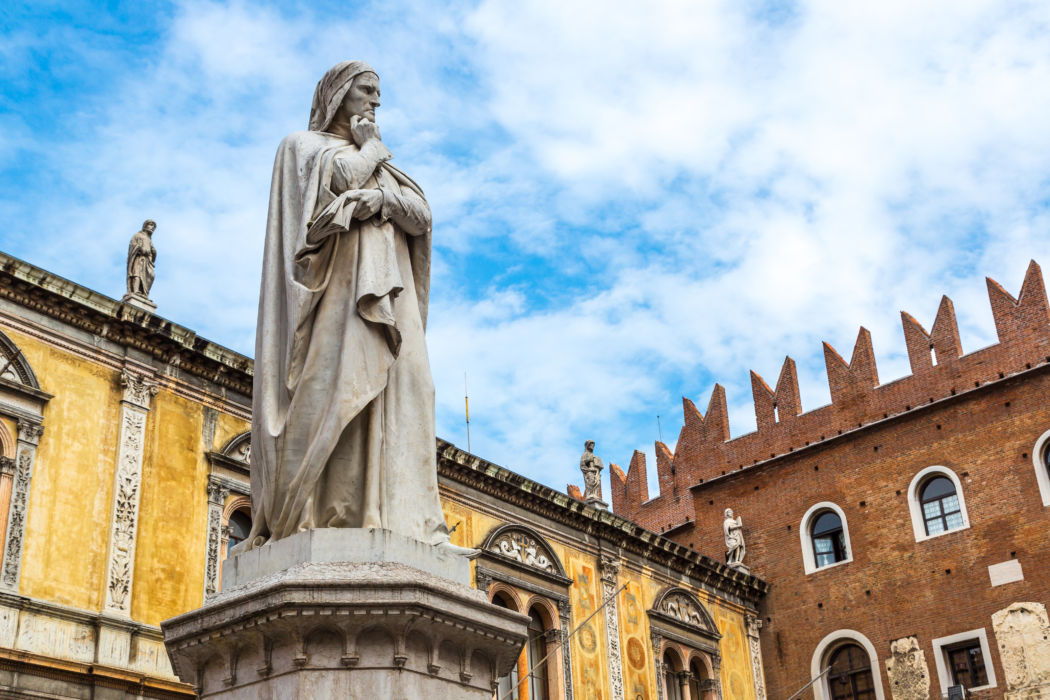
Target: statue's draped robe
{"x": 343, "y": 400}
{"x": 141, "y": 255}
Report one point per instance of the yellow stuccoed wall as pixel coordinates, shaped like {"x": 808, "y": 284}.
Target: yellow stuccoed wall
{"x": 169, "y": 574}
{"x": 72, "y": 488}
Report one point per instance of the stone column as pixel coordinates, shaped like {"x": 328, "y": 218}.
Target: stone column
{"x": 29, "y": 433}
{"x": 716, "y": 671}
{"x": 134, "y": 406}
{"x": 683, "y": 685}
{"x": 564, "y": 616}
{"x": 7, "y": 475}
{"x": 754, "y": 624}
{"x": 610, "y": 569}
{"x": 217, "y": 495}
{"x": 658, "y": 664}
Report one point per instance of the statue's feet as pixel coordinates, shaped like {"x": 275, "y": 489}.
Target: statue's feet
{"x": 450, "y": 548}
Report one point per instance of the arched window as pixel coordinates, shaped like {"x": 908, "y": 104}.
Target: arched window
{"x": 695, "y": 675}
{"x": 825, "y": 537}
{"x": 937, "y": 503}
{"x": 240, "y": 526}
{"x": 829, "y": 544}
{"x": 941, "y": 510}
{"x": 850, "y": 675}
{"x": 672, "y": 689}
{"x": 507, "y": 686}
{"x": 1041, "y": 458}
{"x": 845, "y": 666}
{"x": 536, "y": 650}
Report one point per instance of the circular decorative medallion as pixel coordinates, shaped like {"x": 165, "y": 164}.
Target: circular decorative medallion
{"x": 636, "y": 653}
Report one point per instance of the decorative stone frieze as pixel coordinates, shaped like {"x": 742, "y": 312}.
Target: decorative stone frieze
{"x": 564, "y": 617}
{"x": 609, "y": 573}
{"x": 1023, "y": 633}
{"x": 29, "y": 433}
{"x": 754, "y": 626}
{"x": 217, "y": 495}
{"x": 296, "y": 620}
{"x": 135, "y": 404}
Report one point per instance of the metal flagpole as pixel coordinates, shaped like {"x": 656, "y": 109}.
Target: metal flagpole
{"x": 466, "y": 407}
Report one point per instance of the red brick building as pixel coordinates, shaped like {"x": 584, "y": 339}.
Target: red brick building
{"x": 914, "y": 514}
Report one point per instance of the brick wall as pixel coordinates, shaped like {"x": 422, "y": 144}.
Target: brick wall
{"x": 978, "y": 414}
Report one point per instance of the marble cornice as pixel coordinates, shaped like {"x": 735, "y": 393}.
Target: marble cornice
{"x": 48, "y": 294}
{"x": 510, "y": 487}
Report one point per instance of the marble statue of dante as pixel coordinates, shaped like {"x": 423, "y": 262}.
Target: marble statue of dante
{"x": 591, "y": 466}
{"x": 343, "y": 400}
{"x": 733, "y": 529}
{"x": 141, "y": 256}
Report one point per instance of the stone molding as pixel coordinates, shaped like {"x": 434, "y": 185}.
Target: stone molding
{"x": 526, "y": 550}
{"x": 754, "y": 627}
{"x": 138, "y": 392}
{"x": 29, "y": 433}
{"x": 37, "y": 290}
{"x": 317, "y": 622}
{"x": 516, "y": 490}
{"x": 218, "y": 492}
{"x": 609, "y": 571}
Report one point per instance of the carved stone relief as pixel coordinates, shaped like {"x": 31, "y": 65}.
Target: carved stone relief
{"x": 564, "y": 616}
{"x": 682, "y": 608}
{"x": 609, "y": 571}
{"x": 523, "y": 548}
{"x": 907, "y": 670}
{"x": 754, "y": 626}
{"x": 135, "y": 404}
{"x": 1023, "y": 634}
{"x": 28, "y": 437}
{"x": 217, "y": 494}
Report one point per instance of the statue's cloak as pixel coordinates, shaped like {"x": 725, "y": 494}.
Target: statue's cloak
{"x": 343, "y": 306}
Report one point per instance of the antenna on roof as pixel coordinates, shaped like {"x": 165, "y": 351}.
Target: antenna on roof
{"x": 466, "y": 407}
{"x": 659, "y": 430}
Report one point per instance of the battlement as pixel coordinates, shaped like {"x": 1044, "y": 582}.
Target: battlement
{"x": 939, "y": 370}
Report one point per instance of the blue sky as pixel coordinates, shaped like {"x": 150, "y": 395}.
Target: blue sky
{"x": 632, "y": 201}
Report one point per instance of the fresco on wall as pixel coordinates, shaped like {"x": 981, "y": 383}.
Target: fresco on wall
{"x": 589, "y": 677}
{"x": 637, "y": 654}
{"x": 736, "y": 665}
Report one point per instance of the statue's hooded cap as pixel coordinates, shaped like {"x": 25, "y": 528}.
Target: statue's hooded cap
{"x": 331, "y": 90}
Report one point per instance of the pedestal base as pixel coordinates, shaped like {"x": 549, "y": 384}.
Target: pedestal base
{"x": 597, "y": 503}
{"x": 139, "y": 302}
{"x": 326, "y": 629}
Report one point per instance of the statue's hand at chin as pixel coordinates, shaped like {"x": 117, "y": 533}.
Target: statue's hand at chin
{"x": 363, "y": 130}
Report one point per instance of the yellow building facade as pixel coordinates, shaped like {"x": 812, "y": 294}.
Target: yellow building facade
{"x": 124, "y": 477}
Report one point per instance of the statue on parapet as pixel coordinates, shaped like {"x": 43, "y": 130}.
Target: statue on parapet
{"x": 733, "y": 530}
{"x": 343, "y": 400}
{"x": 141, "y": 258}
{"x": 591, "y": 465}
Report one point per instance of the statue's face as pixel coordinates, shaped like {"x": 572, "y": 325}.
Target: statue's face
{"x": 363, "y": 97}
{"x": 150, "y": 227}
{"x": 729, "y": 512}
{"x": 589, "y": 445}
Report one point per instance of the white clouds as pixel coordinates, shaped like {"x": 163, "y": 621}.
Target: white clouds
{"x": 631, "y": 201}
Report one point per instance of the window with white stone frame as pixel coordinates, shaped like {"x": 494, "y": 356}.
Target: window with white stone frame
{"x": 937, "y": 503}
{"x": 964, "y": 659}
{"x": 1041, "y": 460}
{"x": 824, "y": 535}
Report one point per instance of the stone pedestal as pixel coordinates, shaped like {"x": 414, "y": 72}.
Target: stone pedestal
{"x": 341, "y": 613}
{"x": 139, "y": 302}
{"x": 596, "y": 502}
